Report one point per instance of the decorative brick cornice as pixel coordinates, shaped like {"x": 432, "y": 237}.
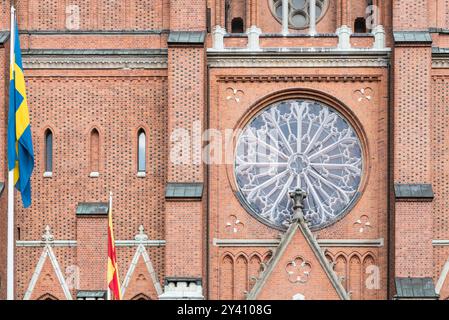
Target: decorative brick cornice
{"x": 440, "y": 62}
{"x": 94, "y": 59}
{"x": 304, "y": 58}
{"x": 300, "y": 78}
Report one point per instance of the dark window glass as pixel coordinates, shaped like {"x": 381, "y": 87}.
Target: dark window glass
{"x": 360, "y": 25}
{"x": 142, "y": 142}
{"x": 237, "y": 25}
{"x": 94, "y": 151}
{"x": 48, "y": 151}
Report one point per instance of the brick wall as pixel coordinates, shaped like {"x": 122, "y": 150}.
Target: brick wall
{"x": 411, "y": 15}
{"x": 413, "y": 158}
{"x": 184, "y": 220}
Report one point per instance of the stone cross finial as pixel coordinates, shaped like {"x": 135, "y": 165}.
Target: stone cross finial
{"x": 141, "y": 236}
{"x": 47, "y": 237}
{"x": 298, "y": 196}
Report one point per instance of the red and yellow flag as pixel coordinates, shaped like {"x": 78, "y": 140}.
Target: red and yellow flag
{"x": 113, "y": 279}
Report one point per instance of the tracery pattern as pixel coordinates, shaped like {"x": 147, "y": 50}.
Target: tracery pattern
{"x": 298, "y": 144}
{"x": 298, "y": 11}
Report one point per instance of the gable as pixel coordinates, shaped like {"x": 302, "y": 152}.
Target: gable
{"x": 141, "y": 280}
{"x": 298, "y": 270}
{"x": 47, "y": 278}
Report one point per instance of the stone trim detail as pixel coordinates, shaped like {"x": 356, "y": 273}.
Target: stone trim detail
{"x": 95, "y": 59}
{"x": 299, "y": 57}
{"x": 440, "y": 242}
{"x": 47, "y": 240}
{"x": 73, "y": 243}
{"x": 440, "y": 62}
{"x": 442, "y": 278}
{"x": 322, "y": 242}
{"x": 300, "y": 78}
{"x": 94, "y": 63}
{"x": 56, "y": 243}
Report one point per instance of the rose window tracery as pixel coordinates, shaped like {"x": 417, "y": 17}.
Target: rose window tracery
{"x": 298, "y": 144}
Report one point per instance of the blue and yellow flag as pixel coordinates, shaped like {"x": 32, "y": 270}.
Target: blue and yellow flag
{"x": 20, "y": 145}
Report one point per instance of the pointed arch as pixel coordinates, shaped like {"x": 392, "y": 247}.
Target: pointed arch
{"x": 141, "y": 296}
{"x": 235, "y": 15}
{"x": 94, "y": 151}
{"x": 355, "y": 276}
{"x": 370, "y": 277}
{"x": 341, "y": 265}
{"x": 141, "y": 150}
{"x": 47, "y": 296}
{"x": 227, "y": 277}
{"x": 48, "y": 153}
{"x": 254, "y": 268}
{"x": 241, "y": 276}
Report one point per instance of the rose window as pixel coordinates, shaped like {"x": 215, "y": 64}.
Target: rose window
{"x": 298, "y": 144}
{"x": 298, "y": 11}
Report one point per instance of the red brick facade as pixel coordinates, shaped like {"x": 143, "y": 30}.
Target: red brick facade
{"x": 124, "y": 65}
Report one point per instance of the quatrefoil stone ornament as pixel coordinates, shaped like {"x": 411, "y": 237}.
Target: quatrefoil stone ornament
{"x": 298, "y": 144}
{"x": 298, "y": 270}
{"x": 363, "y": 224}
{"x": 233, "y": 225}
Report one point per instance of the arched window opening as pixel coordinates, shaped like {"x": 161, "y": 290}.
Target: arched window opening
{"x": 360, "y": 25}
{"x": 48, "y": 151}
{"x": 235, "y": 13}
{"x": 94, "y": 151}
{"x": 141, "y": 151}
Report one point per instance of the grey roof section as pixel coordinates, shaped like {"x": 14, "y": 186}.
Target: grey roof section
{"x": 92, "y": 208}
{"x": 413, "y": 288}
{"x": 91, "y": 294}
{"x": 414, "y": 191}
{"x": 438, "y": 50}
{"x": 186, "y": 37}
{"x": 2, "y": 187}
{"x": 4, "y": 36}
{"x": 439, "y": 30}
{"x": 296, "y": 226}
{"x": 422, "y": 37}
{"x": 184, "y": 191}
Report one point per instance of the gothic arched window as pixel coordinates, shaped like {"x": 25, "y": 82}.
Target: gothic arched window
{"x": 94, "y": 151}
{"x": 302, "y": 144}
{"x": 235, "y": 13}
{"x": 48, "y": 151}
{"x": 141, "y": 151}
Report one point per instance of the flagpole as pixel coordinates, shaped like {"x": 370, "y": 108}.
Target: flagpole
{"x": 110, "y": 210}
{"x": 10, "y": 249}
